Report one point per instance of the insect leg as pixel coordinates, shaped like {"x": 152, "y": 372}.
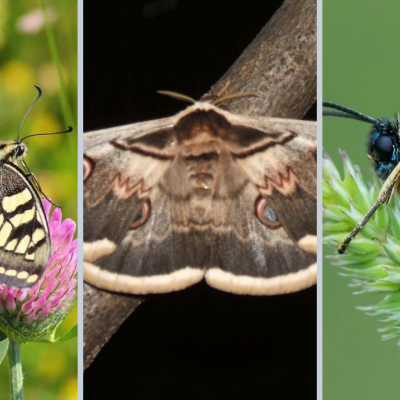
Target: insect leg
{"x": 384, "y": 196}
{"x": 34, "y": 182}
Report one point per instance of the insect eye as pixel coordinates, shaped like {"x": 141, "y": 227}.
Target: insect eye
{"x": 20, "y": 150}
{"x": 384, "y": 147}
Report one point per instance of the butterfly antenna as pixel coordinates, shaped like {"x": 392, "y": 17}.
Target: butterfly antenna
{"x": 30, "y": 108}
{"x": 68, "y": 130}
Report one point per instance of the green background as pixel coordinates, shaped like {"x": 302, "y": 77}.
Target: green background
{"x": 50, "y": 370}
{"x": 361, "y": 70}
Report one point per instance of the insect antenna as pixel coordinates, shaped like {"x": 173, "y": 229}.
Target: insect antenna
{"x": 345, "y": 112}
{"x": 68, "y": 130}
{"x": 213, "y": 99}
{"x": 29, "y": 109}
{"x": 177, "y": 96}
{"x": 29, "y": 175}
{"x": 234, "y": 96}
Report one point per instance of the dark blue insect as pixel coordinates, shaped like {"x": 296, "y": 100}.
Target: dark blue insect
{"x": 383, "y": 149}
{"x": 383, "y": 144}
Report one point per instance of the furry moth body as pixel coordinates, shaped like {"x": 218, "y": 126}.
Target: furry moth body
{"x": 203, "y": 194}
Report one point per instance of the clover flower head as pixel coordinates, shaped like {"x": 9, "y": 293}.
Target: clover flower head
{"x": 28, "y": 314}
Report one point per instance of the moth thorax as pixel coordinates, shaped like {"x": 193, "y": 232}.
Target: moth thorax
{"x": 201, "y": 170}
{"x": 12, "y": 151}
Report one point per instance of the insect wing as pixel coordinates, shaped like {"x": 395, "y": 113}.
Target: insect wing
{"x": 24, "y": 233}
{"x": 203, "y": 194}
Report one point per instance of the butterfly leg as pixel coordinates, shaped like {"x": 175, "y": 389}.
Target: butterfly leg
{"x": 35, "y": 183}
{"x": 384, "y": 197}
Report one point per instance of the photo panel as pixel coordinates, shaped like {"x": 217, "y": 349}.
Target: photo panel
{"x": 200, "y": 227}
{"x": 38, "y": 200}
{"x": 360, "y": 287}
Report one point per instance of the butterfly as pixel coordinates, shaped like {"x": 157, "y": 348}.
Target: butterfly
{"x": 24, "y": 232}
{"x": 205, "y": 194}
{"x": 383, "y": 149}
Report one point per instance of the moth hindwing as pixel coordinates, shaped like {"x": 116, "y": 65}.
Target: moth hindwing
{"x": 383, "y": 148}
{"x": 204, "y": 194}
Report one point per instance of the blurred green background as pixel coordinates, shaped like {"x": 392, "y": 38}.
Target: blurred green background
{"x": 25, "y": 60}
{"x": 361, "y": 70}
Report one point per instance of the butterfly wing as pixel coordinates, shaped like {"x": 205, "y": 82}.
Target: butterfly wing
{"x": 24, "y": 233}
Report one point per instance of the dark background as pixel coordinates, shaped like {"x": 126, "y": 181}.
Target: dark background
{"x": 198, "y": 343}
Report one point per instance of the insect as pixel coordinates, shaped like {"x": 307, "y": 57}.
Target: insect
{"x": 24, "y": 233}
{"x": 384, "y": 152}
{"x": 203, "y": 194}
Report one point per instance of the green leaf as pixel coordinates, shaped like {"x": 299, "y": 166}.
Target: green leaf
{"x": 52, "y": 339}
{"x": 69, "y": 335}
{"x": 3, "y": 346}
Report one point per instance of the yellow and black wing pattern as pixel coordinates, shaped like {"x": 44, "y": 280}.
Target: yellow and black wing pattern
{"x": 24, "y": 233}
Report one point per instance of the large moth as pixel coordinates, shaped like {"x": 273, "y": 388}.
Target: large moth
{"x": 384, "y": 152}
{"x": 203, "y": 194}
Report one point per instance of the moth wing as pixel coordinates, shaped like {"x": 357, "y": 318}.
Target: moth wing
{"x": 265, "y": 260}
{"x": 129, "y": 248}
{"x": 122, "y": 235}
{"x": 257, "y": 260}
{"x": 286, "y": 174}
{"x": 24, "y": 233}
{"x": 251, "y": 256}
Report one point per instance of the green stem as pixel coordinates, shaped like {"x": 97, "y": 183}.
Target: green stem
{"x": 68, "y": 115}
{"x": 16, "y": 376}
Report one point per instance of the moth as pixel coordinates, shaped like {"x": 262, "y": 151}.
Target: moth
{"x": 24, "y": 233}
{"x": 383, "y": 149}
{"x": 205, "y": 194}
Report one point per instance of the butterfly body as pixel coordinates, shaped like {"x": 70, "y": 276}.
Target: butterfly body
{"x": 204, "y": 194}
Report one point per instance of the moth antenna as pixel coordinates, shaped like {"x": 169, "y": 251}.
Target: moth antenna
{"x": 345, "y": 112}
{"x": 30, "y": 108}
{"x": 176, "y": 95}
{"x": 233, "y": 96}
{"x": 68, "y": 130}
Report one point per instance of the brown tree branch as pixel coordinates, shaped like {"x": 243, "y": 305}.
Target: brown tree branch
{"x": 280, "y": 64}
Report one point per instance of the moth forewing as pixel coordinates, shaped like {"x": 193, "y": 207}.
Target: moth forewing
{"x": 203, "y": 194}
